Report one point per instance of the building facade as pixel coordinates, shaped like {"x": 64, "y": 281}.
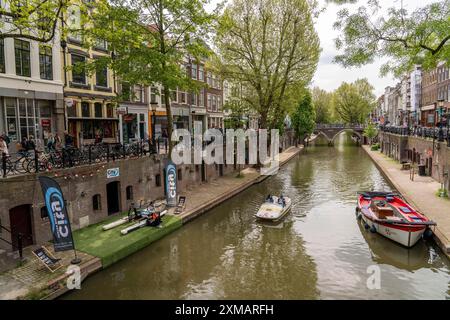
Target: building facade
{"x": 416, "y": 95}
{"x": 90, "y": 109}
{"x": 405, "y": 100}
{"x": 429, "y": 98}
{"x": 31, "y": 89}
{"x": 443, "y": 94}
{"x": 133, "y": 112}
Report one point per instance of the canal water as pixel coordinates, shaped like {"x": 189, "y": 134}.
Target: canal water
{"x": 319, "y": 251}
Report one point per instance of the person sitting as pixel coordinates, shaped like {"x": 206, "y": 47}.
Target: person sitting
{"x": 269, "y": 198}
{"x": 281, "y": 200}
{"x": 154, "y": 220}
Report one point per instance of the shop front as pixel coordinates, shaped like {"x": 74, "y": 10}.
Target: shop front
{"x": 158, "y": 124}
{"x": 28, "y": 118}
{"x": 133, "y": 122}
{"x": 91, "y": 122}
{"x": 428, "y": 116}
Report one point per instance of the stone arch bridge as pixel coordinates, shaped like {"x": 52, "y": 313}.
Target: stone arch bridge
{"x": 331, "y": 131}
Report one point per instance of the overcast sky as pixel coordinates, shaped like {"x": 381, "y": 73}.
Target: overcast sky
{"x": 329, "y": 75}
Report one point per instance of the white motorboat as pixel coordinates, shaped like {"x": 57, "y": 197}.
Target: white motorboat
{"x": 274, "y": 209}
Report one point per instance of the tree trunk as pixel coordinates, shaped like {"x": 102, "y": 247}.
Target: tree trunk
{"x": 263, "y": 120}
{"x": 169, "y": 119}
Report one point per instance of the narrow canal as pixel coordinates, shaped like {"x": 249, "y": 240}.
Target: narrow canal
{"x": 320, "y": 251}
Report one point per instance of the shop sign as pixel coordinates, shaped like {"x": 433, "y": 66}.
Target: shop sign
{"x": 112, "y": 173}
{"x": 122, "y": 110}
{"x": 69, "y": 102}
{"x": 45, "y": 123}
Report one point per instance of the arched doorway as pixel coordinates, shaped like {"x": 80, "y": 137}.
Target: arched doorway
{"x": 20, "y": 223}
{"x": 113, "y": 197}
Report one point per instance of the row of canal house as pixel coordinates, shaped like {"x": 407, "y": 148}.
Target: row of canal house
{"x": 41, "y": 95}
{"x": 421, "y": 98}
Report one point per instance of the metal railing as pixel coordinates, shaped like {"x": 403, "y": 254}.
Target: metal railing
{"x": 41, "y": 161}
{"x": 441, "y": 134}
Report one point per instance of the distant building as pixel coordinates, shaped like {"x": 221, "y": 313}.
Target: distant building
{"x": 429, "y": 98}
{"x": 405, "y": 100}
{"x": 416, "y": 95}
{"x": 443, "y": 93}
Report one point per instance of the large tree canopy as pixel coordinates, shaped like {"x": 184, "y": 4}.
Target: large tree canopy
{"x": 268, "y": 46}
{"x": 405, "y": 38}
{"x": 354, "y": 101}
{"x": 33, "y": 19}
{"x": 151, "y": 40}
{"x": 323, "y": 105}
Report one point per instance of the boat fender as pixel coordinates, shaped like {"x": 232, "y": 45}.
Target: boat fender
{"x": 373, "y": 229}
{"x": 428, "y": 234}
{"x": 366, "y": 226}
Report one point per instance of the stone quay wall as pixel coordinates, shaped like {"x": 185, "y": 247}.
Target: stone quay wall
{"x": 86, "y": 192}
{"x": 434, "y": 155}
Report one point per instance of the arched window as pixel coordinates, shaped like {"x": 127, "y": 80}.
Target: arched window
{"x": 97, "y": 202}
{"x": 129, "y": 191}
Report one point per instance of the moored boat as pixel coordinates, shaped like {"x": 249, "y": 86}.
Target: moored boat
{"x": 389, "y": 215}
{"x": 274, "y": 208}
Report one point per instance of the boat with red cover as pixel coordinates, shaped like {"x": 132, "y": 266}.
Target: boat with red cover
{"x": 388, "y": 214}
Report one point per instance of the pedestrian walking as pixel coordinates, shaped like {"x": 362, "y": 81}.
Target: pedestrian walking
{"x": 31, "y": 144}
{"x": 6, "y": 138}
{"x": 51, "y": 142}
{"x": 57, "y": 142}
{"x": 68, "y": 139}
{"x": 3, "y": 147}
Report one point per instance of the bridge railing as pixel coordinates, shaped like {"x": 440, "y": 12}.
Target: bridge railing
{"x": 339, "y": 126}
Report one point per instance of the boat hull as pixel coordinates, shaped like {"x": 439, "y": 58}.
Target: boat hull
{"x": 404, "y": 235}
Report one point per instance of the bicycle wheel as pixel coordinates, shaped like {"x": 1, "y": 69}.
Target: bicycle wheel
{"x": 20, "y": 166}
{"x": 31, "y": 167}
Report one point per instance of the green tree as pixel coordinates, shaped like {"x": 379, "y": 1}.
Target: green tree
{"x": 268, "y": 46}
{"x": 353, "y": 101}
{"x": 405, "y": 38}
{"x": 370, "y": 132}
{"x": 151, "y": 40}
{"x": 303, "y": 118}
{"x": 322, "y": 101}
{"x": 35, "y": 19}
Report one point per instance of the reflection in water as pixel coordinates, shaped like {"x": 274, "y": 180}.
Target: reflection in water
{"x": 318, "y": 251}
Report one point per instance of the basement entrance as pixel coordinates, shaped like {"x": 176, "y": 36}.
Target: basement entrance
{"x": 113, "y": 197}
{"x": 20, "y": 222}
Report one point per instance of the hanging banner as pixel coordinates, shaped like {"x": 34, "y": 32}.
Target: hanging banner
{"x": 57, "y": 213}
{"x": 171, "y": 184}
